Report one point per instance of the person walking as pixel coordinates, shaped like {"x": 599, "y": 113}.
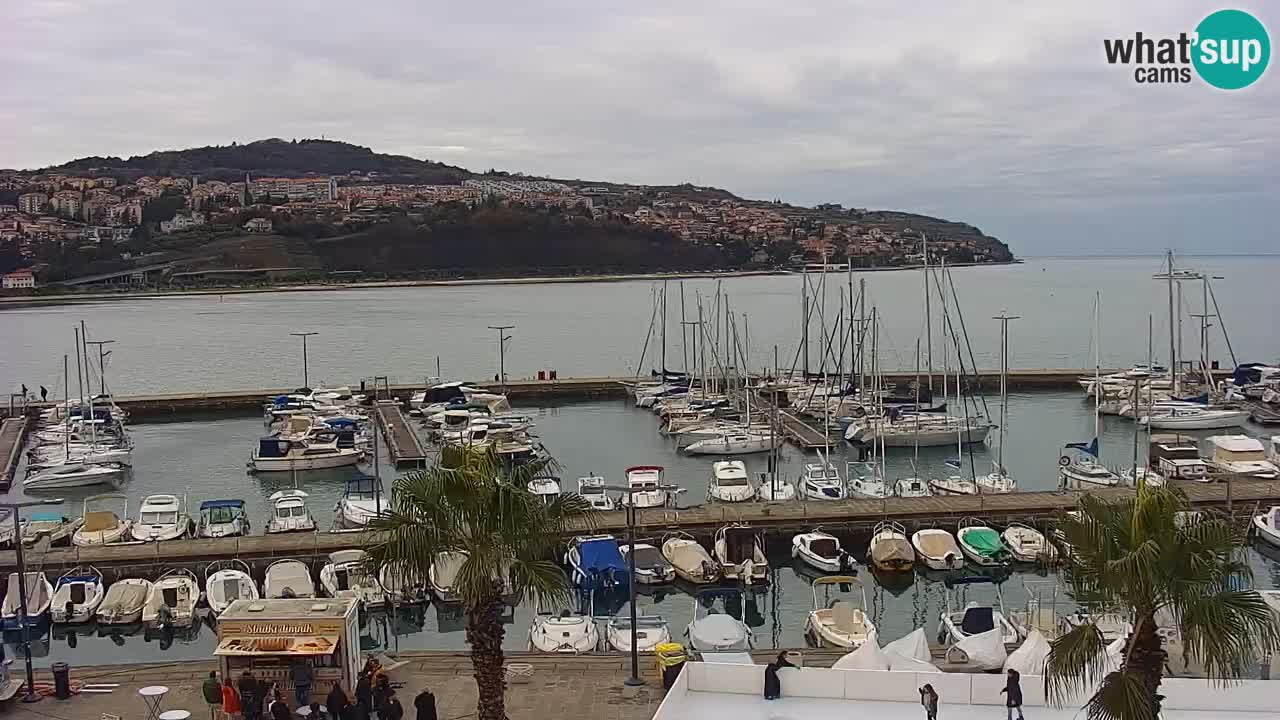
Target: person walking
{"x": 425, "y": 703}
{"x": 929, "y": 699}
{"x": 300, "y": 674}
{"x": 337, "y": 703}
{"x": 230, "y": 700}
{"x": 1013, "y": 694}
{"x": 381, "y": 691}
{"x": 364, "y": 696}
{"x": 44, "y": 394}
{"x": 772, "y": 685}
{"x": 280, "y": 710}
{"x": 250, "y": 699}
{"x": 212, "y": 691}
{"x": 391, "y": 707}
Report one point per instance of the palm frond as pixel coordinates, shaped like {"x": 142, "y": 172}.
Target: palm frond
{"x": 1077, "y": 661}
{"x": 1228, "y": 630}
{"x": 1121, "y": 696}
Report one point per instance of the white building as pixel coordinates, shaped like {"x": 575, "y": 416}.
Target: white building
{"x": 18, "y": 280}
{"x": 32, "y": 203}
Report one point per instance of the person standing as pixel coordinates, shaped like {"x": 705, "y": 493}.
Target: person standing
{"x": 391, "y": 707}
{"x": 230, "y": 701}
{"x": 212, "y": 691}
{"x": 929, "y": 699}
{"x": 250, "y": 700}
{"x": 280, "y": 710}
{"x": 364, "y": 696}
{"x": 1013, "y": 694}
{"x": 381, "y": 691}
{"x": 44, "y": 394}
{"x": 337, "y": 703}
{"x": 773, "y": 686}
{"x": 425, "y": 703}
{"x": 300, "y": 674}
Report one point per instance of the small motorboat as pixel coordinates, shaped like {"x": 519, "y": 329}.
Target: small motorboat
{"x": 838, "y": 623}
{"x": 74, "y": 475}
{"x": 77, "y": 596}
{"x": 289, "y": 513}
{"x": 937, "y": 549}
{"x": 889, "y": 549}
{"x": 729, "y": 482}
{"x": 1112, "y": 626}
{"x": 775, "y": 489}
{"x": 821, "y": 481}
{"x": 361, "y": 502}
{"x": 691, "y": 561}
{"x": 1027, "y": 544}
{"x": 402, "y": 585}
{"x": 740, "y": 554}
{"x": 596, "y": 562}
{"x": 39, "y": 595}
{"x": 591, "y": 488}
{"x": 288, "y": 579}
{"x": 566, "y": 632}
{"x": 976, "y": 619}
{"x": 646, "y": 488}
{"x": 1267, "y": 526}
{"x": 50, "y": 526}
{"x": 651, "y": 631}
{"x": 161, "y": 518}
{"x": 821, "y": 551}
{"x": 346, "y": 575}
{"x": 912, "y": 487}
{"x": 651, "y": 567}
{"x": 716, "y": 632}
{"x": 980, "y": 651}
{"x": 103, "y": 526}
{"x": 225, "y": 582}
{"x": 172, "y": 600}
{"x": 545, "y": 487}
{"x": 222, "y": 518}
{"x": 122, "y": 605}
{"x": 981, "y": 544}
{"x": 443, "y": 574}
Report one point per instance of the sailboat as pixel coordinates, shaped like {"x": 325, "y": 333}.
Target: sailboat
{"x": 1085, "y": 470}
{"x": 999, "y": 480}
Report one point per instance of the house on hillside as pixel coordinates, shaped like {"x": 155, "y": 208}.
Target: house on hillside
{"x": 21, "y": 279}
{"x": 258, "y": 225}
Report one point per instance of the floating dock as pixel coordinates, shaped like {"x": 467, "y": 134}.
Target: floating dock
{"x": 403, "y": 444}
{"x": 12, "y": 433}
{"x": 1039, "y": 506}
{"x": 801, "y": 433}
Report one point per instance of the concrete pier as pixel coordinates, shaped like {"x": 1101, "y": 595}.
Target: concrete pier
{"x": 403, "y": 443}
{"x": 12, "y": 434}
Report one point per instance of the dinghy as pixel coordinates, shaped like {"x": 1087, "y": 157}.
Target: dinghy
{"x": 822, "y": 551}
{"x": 77, "y": 596}
{"x": 937, "y": 548}
{"x": 567, "y": 632}
{"x": 443, "y": 574}
{"x": 122, "y": 605}
{"x": 289, "y": 513}
{"x": 39, "y": 595}
{"x": 1027, "y": 544}
{"x": 651, "y": 631}
{"x": 288, "y": 579}
{"x": 225, "y": 582}
{"x": 889, "y": 550}
{"x": 346, "y": 576}
{"x": 690, "y": 560}
{"x": 740, "y": 553}
{"x": 716, "y": 632}
{"x": 102, "y": 526}
{"x": 651, "y": 567}
{"x": 981, "y": 544}
{"x": 172, "y": 599}
{"x": 838, "y": 623}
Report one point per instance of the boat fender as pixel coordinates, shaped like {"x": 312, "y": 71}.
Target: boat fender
{"x": 1064, "y": 460}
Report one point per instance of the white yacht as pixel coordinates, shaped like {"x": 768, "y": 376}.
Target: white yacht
{"x": 276, "y": 454}
{"x": 222, "y": 518}
{"x": 362, "y": 502}
{"x": 741, "y": 443}
{"x": 740, "y": 553}
{"x": 912, "y": 487}
{"x": 865, "y": 481}
{"x": 161, "y": 517}
{"x": 776, "y": 489}
{"x": 1267, "y": 526}
{"x": 997, "y": 481}
{"x": 545, "y": 487}
{"x": 729, "y": 482}
{"x": 822, "y": 551}
{"x": 645, "y": 482}
{"x": 821, "y": 481}
{"x": 953, "y": 485}
{"x": 930, "y": 430}
{"x": 1194, "y": 418}
{"x": 289, "y": 513}
{"x": 1085, "y": 472}
{"x": 74, "y": 475}
{"x": 591, "y": 488}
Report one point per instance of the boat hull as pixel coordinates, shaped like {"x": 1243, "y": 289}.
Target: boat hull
{"x": 342, "y": 459}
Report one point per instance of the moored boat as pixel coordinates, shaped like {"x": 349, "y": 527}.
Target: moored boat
{"x": 226, "y": 581}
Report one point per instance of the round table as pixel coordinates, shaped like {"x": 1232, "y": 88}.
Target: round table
{"x": 175, "y": 715}
{"x": 152, "y": 697}
{"x": 303, "y": 712}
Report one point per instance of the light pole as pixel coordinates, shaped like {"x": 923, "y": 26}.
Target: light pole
{"x": 503, "y": 337}
{"x": 102, "y": 363}
{"x": 13, "y": 508}
{"x": 306, "y": 380}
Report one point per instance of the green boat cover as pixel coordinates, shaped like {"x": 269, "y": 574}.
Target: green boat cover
{"x": 984, "y": 541}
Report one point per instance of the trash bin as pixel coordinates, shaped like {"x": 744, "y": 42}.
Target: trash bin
{"x": 61, "y": 680}
{"x": 671, "y": 659}
{"x": 542, "y": 374}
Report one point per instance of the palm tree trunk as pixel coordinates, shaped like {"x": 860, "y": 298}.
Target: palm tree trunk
{"x": 484, "y": 635}
{"x": 1146, "y": 658}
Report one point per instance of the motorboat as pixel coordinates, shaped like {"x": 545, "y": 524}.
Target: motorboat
{"x": 53, "y": 527}
{"x": 443, "y": 574}
{"x": 161, "y": 518}
{"x": 289, "y": 513}
{"x": 1139, "y": 475}
{"x": 545, "y": 487}
{"x": 775, "y": 489}
{"x": 1267, "y": 526}
{"x": 976, "y": 619}
{"x": 77, "y": 595}
{"x": 1194, "y": 418}
{"x": 838, "y": 623}
{"x": 80, "y": 455}
{"x": 937, "y": 549}
{"x": 912, "y": 487}
{"x": 74, "y": 475}
{"x": 401, "y": 584}
{"x": 729, "y": 482}
{"x": 742, "y": 443}
{"x": 1241, "y": 455}
{"x": 651, "y": 567}
{"x": 646, "y": 488}
{"x": 172, "y": 600}
{"x": 1193, "y": 469}
{"x": 651, "y": 631}
{"x": 822, "y": 551}
{"x": 889, "y": 549}
{"x": 318, "y": 452}
{"x": 39, "y": 595}
{"x": 740, "y": 553}
{"x": 1027, "y": 544}
{"x": 122, "y": 605}
{"x": 716, "y": 632}
{"x": 821, "y": 481}
{"x": 347, "y": 575}
{"x": 102, "y": 526}
{"x": 222, "y": 518}
{"x": 591, "y": 488}
{"x": 225, "y": 582}
{"x": 691, "y": 562}
{"x": 596, "y": 563}
{"x": 361, "y": 502}
{"x": 566, "y": 633}
{"x": 288, "y": 579}
{"x": 981, "y": 544}
{"x": 866, "y": 481}
{"x": 1085, "y": 471}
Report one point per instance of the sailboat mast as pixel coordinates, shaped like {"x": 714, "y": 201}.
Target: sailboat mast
{"x": 79, "y": 377}
{"x": 684, "y": 348}
{"x": 928, "y": 315}
{"x": 1097, "y": 363}
{"x": 804, "y": 320}
{"x": 663, "y": 367}
{"x": 66, "y": 412}
{"x": 1173, "y": 348}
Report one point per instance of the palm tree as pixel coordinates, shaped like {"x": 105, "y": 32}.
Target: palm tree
{"x": 1142, "y": 556}
{"x": 467, "y": 502}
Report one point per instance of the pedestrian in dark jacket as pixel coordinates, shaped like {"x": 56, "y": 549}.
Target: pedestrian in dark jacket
{"x": 391, "y": 707}
{"x": 280, "y": 710}
{"x": 212, "y": 691}
{"x": 250, "y": 700}
{"x": 337, "y": 703}
{"x": 929, "y": 699}
{"x": 773, "y": 686}
{"x": 44, "y": 394}
{"x": 364, "y": 696}
{"x": 1013, "y": 694}
{"x": 425, "y": 703}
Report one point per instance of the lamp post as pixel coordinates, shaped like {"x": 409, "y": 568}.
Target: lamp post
{"x": 306, "y": 380}
{"x": 503, "y": 337}
{"x": 102, "y": 363}
{"x": 31, "y": 695}
{"x": 634, "y": 679}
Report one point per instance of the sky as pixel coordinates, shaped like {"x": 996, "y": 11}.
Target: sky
{"x": 1003, "y": 115}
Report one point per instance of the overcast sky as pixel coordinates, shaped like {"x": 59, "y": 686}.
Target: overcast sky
{"x": 1004, "y": 115}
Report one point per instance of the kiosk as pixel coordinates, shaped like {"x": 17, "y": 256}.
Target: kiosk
{"x": 266, "y": 637}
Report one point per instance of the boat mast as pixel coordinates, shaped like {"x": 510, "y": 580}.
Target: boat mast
{"x": 804, "y": 319}
{"x": 66, "y": 412}
{"x": 684, "y": 348}
{"x": 928, "y": 315}
{"x": 1004, "y": 319}
{"x": 1097, "y": 368}
{"x": 1173, "y": 348}
{"x": 663, "y": 367}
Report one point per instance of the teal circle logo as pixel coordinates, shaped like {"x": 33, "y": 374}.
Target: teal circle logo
{"x": 1232, "y": 49}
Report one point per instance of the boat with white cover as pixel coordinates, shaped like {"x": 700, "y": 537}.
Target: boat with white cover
{"x": 77, "y": 596}
{"x": 564, "y": 633}
{"x": 1241, "y": 455}
{"x": 39, "y": 596}
{"x": 172, "y": 600}
{"x": 122, "y": 605}
{"x": 346, "y": 575}
{"x": 691, "y": 561}
{"x": 937, "y": 549}
{"x": 443, "y": 574}
{"x": 102, "y": 526}
{"x": 1027, "y": 544}
{"x": 591, "y": 488}
{"x": 651, "y": 631}
{"x": 289, "y": 513}
{"x": 975, "y": 619}
{"x": 889, "y": 549}
{"x": 161, "y": 518}
{"x": 645, "y": 483}
{"x": 226, "y": 581}
{"x": 838, "y": 623}
{"x": 288, "y": 579}
{"x": 716, "y": 632}
{"x": 651, "y": 567}
{"x": 729, "y": 482}
{"x": 821, "y": 551}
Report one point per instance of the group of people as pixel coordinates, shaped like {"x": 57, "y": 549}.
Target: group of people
{"x": 249, "y": 698}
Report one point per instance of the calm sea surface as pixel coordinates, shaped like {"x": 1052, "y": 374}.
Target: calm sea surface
{"x": 237, "y": 342}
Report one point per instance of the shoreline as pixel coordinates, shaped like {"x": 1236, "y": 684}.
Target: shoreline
{"x": 68, "y": 298}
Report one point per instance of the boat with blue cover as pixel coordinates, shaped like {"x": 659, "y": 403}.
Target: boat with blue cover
{"x": 596, "y": 562}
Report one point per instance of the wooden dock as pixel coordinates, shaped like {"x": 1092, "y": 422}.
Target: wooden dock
{"x": 801, "y": 433}
{"x": 12, "y": 433}
{"x": 403, "y": 444}
{"x": 847, "y": 516}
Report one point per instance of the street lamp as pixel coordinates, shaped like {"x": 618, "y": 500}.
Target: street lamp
{"x": 503, "y": 337}
{"x": 13, "y": 508}
{"x": 306, "y": 380}
{"x": 634, "y": 680}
